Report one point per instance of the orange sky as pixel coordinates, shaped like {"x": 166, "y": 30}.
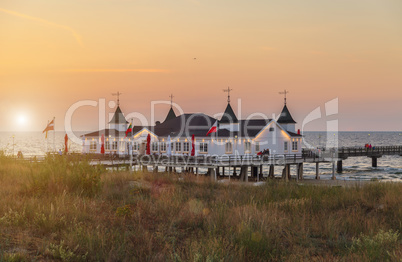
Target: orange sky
{"x": 56, "y": 53}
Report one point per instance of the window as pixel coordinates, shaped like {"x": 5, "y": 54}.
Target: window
{"x": 186, "y": 147}
{"x": 271, "y": 129}
{"x": 107, "y": 145}
{"x": 203, "y": 147}
{"x": 163, "y": 146}
{"x": 257, "y": 147}
{"x": 294, "y": 146}
{"x": 178, "y": 146}
{"x": 114, "y": 145}
{"x": 92, "y": 145}
{"x": 136, "y": 146}
{"x": 247, "y": 147}
{"x": 155, "y": 146}
{"x": 285, "y": 146}
{"x": 228, "y": 147}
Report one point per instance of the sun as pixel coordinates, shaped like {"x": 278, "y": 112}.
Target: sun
{"x": 21, "y": 120}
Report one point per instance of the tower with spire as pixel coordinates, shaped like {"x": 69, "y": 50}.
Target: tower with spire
{"x": 285, "y": 118}
{"x": 118, "y": 121}
{"x": 229, "y": 119}
{"x": 171, "y": 114}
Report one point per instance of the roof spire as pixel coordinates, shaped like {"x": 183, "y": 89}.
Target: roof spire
{"x": 228, "y": 91}
{"x": 171, "y": 100}
{"x": 118, "y": 97}
{"x": 284, "y": 93}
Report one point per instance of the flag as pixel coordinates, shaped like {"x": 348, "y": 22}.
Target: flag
{"x": 148, "y": 144}
{"x": 49, "y": 127}
{"x": 66, "y": 143}
{"x": 213, "y": 129}
{"x": 103, "y": 144}
{"x": 192, "y": 146}
{"x": 129, "y": 129}
{"x": 169, "y": 146}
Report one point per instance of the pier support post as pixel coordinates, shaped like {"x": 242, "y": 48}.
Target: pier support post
{"x": 260, "y": 174}
{"x": 271, "y": 171}
{"x": 286, "y": 172}
{"x": 339, "y": 167}
{"x": 317, "y": 170}
{"x": 300, "y": 171}
{"x": 223, "y": 171}
{"x": 254, "y": 171}
{"x": 243, "y": 173}
{"x": 196, "y": 171}
{"x": 234, "y": 171}
{"x": 217, "y": 172}
{"x": 374, "y": 161}
{"x": 212, "y": 172}
{"x": 155, "y": 169}
{"x": 333, "y": 171}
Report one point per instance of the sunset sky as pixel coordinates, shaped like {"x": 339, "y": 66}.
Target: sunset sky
{"x": 56, "y": 53}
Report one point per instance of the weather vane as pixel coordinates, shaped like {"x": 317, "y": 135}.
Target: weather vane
{"x": 118, "y": 97}
{"x": 228, "y": 91}
{"x": 284, "y": 93}
{"x": 171, "y": 100}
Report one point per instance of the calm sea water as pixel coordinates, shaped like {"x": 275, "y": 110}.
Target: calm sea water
{"x": 355, "y": 168}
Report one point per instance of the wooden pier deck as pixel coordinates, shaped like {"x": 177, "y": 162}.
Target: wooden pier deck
{"x": 241, "y": 166}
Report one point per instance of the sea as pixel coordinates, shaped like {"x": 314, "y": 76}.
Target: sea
{"x": 354, "y": 168}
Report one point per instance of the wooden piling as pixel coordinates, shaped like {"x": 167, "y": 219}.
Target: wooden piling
{"x": 333, "y": 171}
{"x": 339, "y": 166}
{"x": 300, "y": 171}
{"x": 374, "y": 161}
{"x": 271, "y": 171}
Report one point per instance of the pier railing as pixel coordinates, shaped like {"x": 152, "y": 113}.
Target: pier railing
{"x": 213, "y": 161}
{"x": 376, "y": 151}
{"x": 307, "y": 156}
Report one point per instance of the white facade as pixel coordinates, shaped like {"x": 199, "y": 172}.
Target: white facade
{"x": 273, "y": 137}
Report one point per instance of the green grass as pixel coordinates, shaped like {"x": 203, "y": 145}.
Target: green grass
{"x": 65, "y": 210}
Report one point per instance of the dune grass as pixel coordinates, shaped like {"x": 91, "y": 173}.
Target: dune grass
{"x": 66, "y": 210}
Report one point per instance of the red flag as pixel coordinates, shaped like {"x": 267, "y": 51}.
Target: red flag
{"x": 103, "y": 144}
{"x": 129, "y": 129}
{"x": 213, "y": 129}
{"x": 148, "y": 144}
{"x": 49, "y": 127}
{"x": 192, "y": 146}
{"x": 66, "y": 143}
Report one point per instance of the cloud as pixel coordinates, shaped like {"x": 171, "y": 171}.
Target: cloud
{"x": 43, "y": 21}
{"x": 118, "y": 70}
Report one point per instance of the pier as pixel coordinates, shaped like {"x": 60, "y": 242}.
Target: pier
{"x": 241, "y": 167}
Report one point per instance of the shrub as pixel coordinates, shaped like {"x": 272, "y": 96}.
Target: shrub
{"x": 59, "y": 173}
{"x": 378, "y": 247}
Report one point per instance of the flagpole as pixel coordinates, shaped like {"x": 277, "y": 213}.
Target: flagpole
{"x": 130, "y": 147}
{"x": 47, "y": 146}
{"x": 54, "y": 135}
